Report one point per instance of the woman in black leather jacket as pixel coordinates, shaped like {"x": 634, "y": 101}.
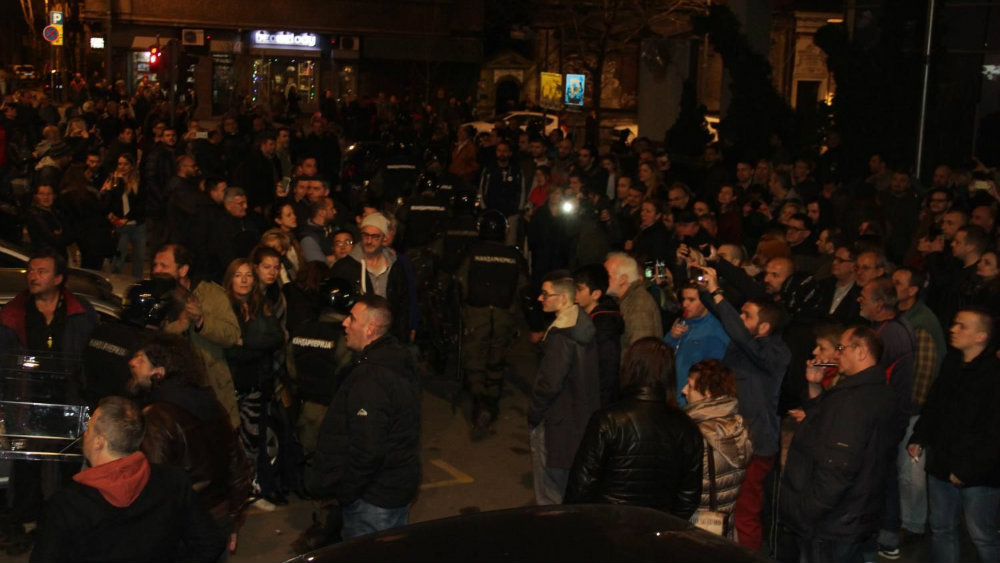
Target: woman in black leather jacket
{"x": 641, "y": 450}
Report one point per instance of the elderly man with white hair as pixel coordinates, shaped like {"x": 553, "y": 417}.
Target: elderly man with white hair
{"x": 639, "y": 310}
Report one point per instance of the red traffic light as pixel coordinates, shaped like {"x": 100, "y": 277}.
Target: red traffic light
{"x": 154, "y": 55}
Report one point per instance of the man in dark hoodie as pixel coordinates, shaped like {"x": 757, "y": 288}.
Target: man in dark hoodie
{"x": 122, "y": 508}
{"x": 368, "y": 449}
{"x": 566, "y": 391}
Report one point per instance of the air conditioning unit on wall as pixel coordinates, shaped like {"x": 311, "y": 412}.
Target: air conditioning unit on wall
{"x": 349, "y": 43}
{"x": 193, "y": 37}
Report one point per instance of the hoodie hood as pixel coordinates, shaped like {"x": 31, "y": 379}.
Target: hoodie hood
{"x": 120, "y": 482}
{"x": 359, "y": 254}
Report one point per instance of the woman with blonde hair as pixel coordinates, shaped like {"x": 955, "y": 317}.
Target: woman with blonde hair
{"x": 126, "y": 203}
{"x": 288, "y": 248}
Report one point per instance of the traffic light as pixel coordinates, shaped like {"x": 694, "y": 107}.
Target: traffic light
{"x": 154, "y": 58}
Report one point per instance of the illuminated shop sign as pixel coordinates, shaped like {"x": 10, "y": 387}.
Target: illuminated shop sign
{"x": 285, "y": 40}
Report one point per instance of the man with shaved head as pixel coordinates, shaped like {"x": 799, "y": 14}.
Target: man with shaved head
{"x": 957, "y": 433}
{"x": 368, "y": 449}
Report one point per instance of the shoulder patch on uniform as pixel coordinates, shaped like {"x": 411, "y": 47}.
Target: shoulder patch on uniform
{"x": 362, "y": 412}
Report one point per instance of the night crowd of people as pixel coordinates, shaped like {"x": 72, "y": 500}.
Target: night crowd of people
{"x": 795, "y": 352}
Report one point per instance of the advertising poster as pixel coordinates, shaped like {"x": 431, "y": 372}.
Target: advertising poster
{"x": 574, "y": 89}
{"x": 551, "y": 97}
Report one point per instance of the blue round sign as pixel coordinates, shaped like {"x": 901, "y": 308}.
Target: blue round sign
{"x": 50, "y": 33}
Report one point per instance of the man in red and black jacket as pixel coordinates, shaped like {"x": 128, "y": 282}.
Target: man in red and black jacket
{"x": 45, "y": 318}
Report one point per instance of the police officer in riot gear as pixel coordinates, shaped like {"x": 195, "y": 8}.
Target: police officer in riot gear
{"x": 490, "y": 279}
{"x": 105, "y": 359}
{"x": 459, "y": 231}
{"x": 317, "y": 354}
{"x": 423, "y": 216}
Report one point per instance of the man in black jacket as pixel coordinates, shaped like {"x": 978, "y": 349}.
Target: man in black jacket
{"x": 122, "y": 508}
{"x": 591, "y": 296}
{"x": 566, "y": 390}
{"x": 368, "y": 450}
{"x": 833, "y": 485}
{"x": 958, "y": 431}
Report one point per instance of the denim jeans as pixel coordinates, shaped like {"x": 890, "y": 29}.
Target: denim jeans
{"x": 136, "y": 236}
{"x": 980, "y": 506}
{"x": 550, "y": 482}
{"x": 912, "y": 486}
{"x": 818, "y": 550}
{"x": 363, "y": 518}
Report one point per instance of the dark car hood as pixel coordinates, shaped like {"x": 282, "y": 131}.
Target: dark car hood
{"x": 543, "y": 533}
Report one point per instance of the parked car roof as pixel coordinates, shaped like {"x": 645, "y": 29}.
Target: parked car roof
{"x": 542, "y": 533}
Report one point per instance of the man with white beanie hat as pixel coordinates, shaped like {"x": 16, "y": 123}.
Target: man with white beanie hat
{"x": 371, "y": 267}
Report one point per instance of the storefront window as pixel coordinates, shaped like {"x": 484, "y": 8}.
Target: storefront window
{"x": 223, "y": 83}
{"x": 273, "y": 78}
{"x": 139, "y": 68}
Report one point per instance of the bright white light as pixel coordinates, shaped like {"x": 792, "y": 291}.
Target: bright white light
{"x": 96, "y": 42}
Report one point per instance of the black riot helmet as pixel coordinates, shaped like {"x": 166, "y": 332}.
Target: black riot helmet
{"x": 149, "y": 301}
{"x": 492, "y": 226}
{"x": 337, "y": 295}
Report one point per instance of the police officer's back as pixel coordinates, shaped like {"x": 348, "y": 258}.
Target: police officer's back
{"x": 490, "y": 278}
{"x": 318, "y": 351}
{"x": 459, "y": 231}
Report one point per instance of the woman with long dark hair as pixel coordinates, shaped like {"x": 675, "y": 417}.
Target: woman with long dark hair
{"x": 642, "y": 450}
{"x": 251, "y": 363}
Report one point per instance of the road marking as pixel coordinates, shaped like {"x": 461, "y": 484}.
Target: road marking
{"x": 458, "y": 477}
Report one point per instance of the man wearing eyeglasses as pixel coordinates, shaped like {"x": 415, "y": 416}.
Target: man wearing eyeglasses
{"x": 839, "y": 294}
{"x": 372, "y": 267}
{"x": 878, "y": 304}
{"x": 566, "y": 390}
{"x": 832, "y": 489}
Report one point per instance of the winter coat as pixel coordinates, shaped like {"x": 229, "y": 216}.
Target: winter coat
{"x": 610, "y": 327}
{"x": 220, "y": 330}
{"x": 641, "y": 314}
{"x": 722, "y": 427}
{"x": 639, "y": 451}
{"x": 187, "y": 427}
{"x": 567, "y": 386}
{"x": 369, "y": 441}
{"x": 251, "y": 363}
{"x": 960, "y": 422}
{"x": 161, "y": 522}
{"x": 833, "y": 484}
{"x": 80, "y": 322}
{"x": 47, "y": 229}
